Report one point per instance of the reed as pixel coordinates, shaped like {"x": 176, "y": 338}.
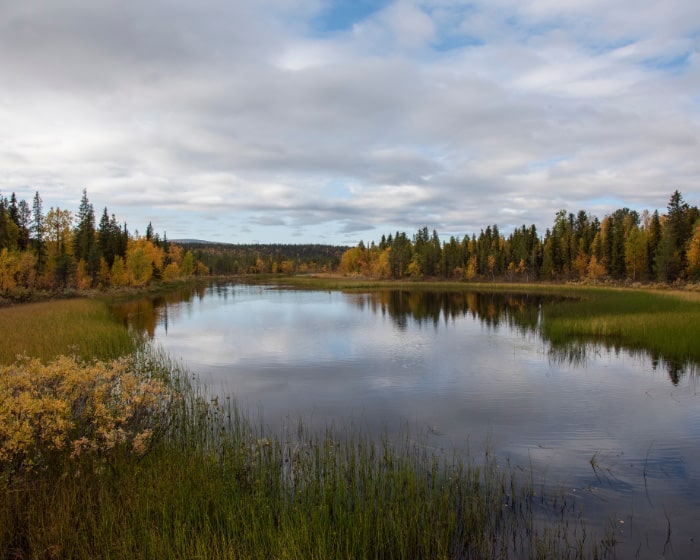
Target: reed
{"x": 664, "y": 323}
{"x": 81, "y": 327}
{"x": 217, "y": 485}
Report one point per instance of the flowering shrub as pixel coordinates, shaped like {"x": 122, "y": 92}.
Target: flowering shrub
{"x": 70, "y": 409}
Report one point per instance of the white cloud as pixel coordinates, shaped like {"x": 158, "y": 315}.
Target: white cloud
{"x": 498, "y": 112}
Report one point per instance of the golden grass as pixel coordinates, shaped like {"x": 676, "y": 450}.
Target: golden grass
{"x": 80, "y": 327}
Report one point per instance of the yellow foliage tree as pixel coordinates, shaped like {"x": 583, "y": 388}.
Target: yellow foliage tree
{"x": 175, "y": 254}
{"x": 104, "y": 274}
{"x": 380, "y": 267}
{"x": 470, "y": 272}
{"x": 287, "y": 267}
{"x": 171, "y": 271}
{"x": 596, "y": 270}
{"x": 118, "y": 276}
{"x": 82, "y": 278}
{"x": 143, "y": 258}
{"x": 8, "y": 270}
{"x": 201, "y": 269}
{"x": 187, "y": 265}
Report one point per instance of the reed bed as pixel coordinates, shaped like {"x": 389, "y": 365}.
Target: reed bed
{"x": 82, "y": 327}
{"x": 213, "y": 484}
{"x": 666, "y": 324}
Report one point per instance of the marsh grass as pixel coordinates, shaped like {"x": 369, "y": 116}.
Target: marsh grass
{"x": 81, "y": 327}
{"x": 216, "y": 485}
{"x": 665, "y": 324}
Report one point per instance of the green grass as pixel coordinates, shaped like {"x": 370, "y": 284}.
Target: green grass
{"x": 82, "y": 327}
{"x": 666, "y": 324}
{"x": 217, "y": 486}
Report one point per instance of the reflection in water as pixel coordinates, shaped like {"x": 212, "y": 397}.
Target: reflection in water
{"x": 577, "y": 353}
{"x": 522, "y": 313}
{"x": 468, "y": 369}
{"x": 517, "y": 311}
{"x": 143, "y": 314}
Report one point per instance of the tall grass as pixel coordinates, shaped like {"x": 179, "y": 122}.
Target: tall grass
{"x": 82, "y": 327}
{"x": 666, "y": 324}
{"x": 216, "y": 485}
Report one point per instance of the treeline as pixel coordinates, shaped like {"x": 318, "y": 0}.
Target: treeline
{"x": 625, "y": 245}
{"x": 56, "y": 249}
{"x": 225, "y": 258}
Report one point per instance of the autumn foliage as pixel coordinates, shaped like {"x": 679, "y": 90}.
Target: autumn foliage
{"x": 57, "y": 250}
{"x": 624, "y": 246}
{"x": 70, "y": 409}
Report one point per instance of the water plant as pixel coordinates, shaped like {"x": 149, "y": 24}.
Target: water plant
{"x": 666, "y": 324}
{"x": 216, "y": 484}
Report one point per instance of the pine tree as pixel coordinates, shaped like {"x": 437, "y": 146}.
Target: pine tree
{"x": 37, "y": 232}
{"x": 85, "y": 246}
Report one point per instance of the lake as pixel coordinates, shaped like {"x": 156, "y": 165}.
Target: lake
{"x": 468, "y": 372}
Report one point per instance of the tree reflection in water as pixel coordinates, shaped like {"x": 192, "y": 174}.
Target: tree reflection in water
{"x": 523, "y": 313}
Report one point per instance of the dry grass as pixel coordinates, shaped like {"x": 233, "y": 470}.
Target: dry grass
{"x": 81, "y": 327}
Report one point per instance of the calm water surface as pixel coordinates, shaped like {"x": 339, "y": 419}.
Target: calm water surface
{"x": 612, "y": 428}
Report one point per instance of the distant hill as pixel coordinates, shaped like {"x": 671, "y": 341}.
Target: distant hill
{"x": 245, "y": 258}
{"x": 191, "y": 242}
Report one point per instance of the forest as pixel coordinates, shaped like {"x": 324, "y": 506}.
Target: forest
{"x": 273, "y": 258}
{"x": 624, "y": 246}
{"x": 57, "y": 250}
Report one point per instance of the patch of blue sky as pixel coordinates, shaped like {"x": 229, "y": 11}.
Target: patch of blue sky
{"x": 449, "y": 20}
{"x": 338, "y": 188}
{"x": 675, "y": 64}
{"x": 341, "y": 15}
{"x": 605, "y": 47}
{"x": 453, "y": 42}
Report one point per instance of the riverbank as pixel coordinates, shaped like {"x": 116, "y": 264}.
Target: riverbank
{"x": 660, "y": 319}
{"x": 207, "y": 482}
{"x": 214, "y": 484}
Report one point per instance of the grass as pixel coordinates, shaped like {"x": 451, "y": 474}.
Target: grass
{"x": 665, "y": 324}
{"x": 82, "y": 327}
{"x": 217, "y": 486}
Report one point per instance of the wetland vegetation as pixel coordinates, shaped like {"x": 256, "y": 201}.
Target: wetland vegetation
{"x": 209, "y": 481}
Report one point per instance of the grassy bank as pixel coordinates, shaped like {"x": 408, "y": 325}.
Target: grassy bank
{"x": 666, "y": 324}
{"x": 80, "y": 326}
{"x": 201, "y": 480}
{"x": 212, "y": 485}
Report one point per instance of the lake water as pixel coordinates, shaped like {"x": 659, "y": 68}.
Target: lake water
{"x": 617, "y": 430}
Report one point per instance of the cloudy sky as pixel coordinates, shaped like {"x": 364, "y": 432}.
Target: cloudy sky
{"x": 333, "y": 121}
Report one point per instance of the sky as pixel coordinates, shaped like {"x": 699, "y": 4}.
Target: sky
{"x": 319, "y": 121}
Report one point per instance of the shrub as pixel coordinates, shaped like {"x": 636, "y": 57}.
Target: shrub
{"x": 67, "y": 409}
